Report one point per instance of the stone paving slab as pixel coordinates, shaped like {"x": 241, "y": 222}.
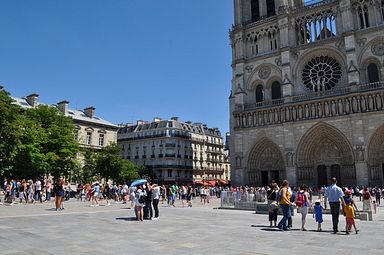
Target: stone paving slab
{"x": 80, "y": 229}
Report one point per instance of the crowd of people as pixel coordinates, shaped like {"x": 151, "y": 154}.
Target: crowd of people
{"x": 339, "y": 199}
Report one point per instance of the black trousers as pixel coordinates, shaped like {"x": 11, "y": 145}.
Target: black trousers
{"x": 335, "y": 211}
{"x": 148, "y": 210}
{"x": 155, "y": 203}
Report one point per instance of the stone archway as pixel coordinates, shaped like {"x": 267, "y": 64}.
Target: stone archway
{"x": 265, "y": 163}
{"x": 376, "y": 157}
{"x": 325, "y": 149}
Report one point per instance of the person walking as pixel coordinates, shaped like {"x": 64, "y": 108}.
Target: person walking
{"x": 271, "y": 198}
{"x": 367, "y": 200}
{"x": 302, "y": 203}
{"x": 334, "y": 195}
{"x": 155, "y": 200}
{"x": 59, "y": 194}
{"x": 285, "y": 203}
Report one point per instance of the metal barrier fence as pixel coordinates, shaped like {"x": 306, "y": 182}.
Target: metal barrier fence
{"x": 240, "y": 200}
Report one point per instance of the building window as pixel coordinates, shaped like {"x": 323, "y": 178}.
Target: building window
{"x": 101, "y": 139}
{"x": 160, "y": 173}
{"x": 373, "y": 73}
{"x": 255, "y": 10}
{"x": 271, "y": 8}
{"x": 259, "y": 93}
{"x": 169, "y": 173}
{"x": 178, "y": 173}
{"x": 76, "y": 135}
{"x": 276, "y": 90}
{"x": 88, "y": 139}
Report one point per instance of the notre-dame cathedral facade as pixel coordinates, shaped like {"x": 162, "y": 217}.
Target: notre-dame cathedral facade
{"x": 307, "y": 98}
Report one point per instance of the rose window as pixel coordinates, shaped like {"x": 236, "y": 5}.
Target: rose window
{"x": 321, "y": 73}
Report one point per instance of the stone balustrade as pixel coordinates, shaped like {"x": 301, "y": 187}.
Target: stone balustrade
{"x": 317, "y": 105}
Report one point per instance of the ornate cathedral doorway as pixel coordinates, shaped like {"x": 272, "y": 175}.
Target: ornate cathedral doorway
{"x": 322, "y": 179}
{"x": 335, "y": 172}
{"x": 265, "y": 163}
{"x": 324, "y": 147}
{"x": 376, "y": 158}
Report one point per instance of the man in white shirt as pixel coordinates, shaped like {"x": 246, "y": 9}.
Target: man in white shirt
{"x": 38, "y": 191}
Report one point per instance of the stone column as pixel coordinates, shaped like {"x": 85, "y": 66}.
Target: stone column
{"x": 291, "y": 175}
{"x": 362, "y": 175}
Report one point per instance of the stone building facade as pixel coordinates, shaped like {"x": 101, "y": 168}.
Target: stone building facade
{"x": 175, "y": 150}
{"x": 90, "y": 131}
{"x": 307, "y": 98}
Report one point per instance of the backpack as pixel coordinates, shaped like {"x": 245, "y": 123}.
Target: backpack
{"x": 367, "y": 195}
{"x": 300, "y": 200}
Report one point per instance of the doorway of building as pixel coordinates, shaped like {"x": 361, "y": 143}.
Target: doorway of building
{"x": 275, "y": 176}
{"x": 322, "y": 176}
{"x": 335, "y": 172}
{"x": 264, "y": 178}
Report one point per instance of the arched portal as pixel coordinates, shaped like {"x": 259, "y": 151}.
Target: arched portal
{"x": 324, "y": 152}
{"x": 265, "y": 163}
{"x": 376, "y": 157}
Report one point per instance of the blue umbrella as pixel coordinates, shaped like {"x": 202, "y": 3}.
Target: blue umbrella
{"x": 138, "y": 182}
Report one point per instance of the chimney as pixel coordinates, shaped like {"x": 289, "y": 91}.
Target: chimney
{"x": 63, "y": 106}
{"x": 175, "y": 118}
{"x": 156, "y": 119}
{"x": 90, "y": 112}
{"x": 32, "y": 99}
{"x": 140, "y": 122}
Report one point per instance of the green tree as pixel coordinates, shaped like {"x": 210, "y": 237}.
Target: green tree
{"x": 110, "y": 165}
{"x": 10, "y": 132}
{"x": 47, "y": 144}
{"x": 88, "y": 172}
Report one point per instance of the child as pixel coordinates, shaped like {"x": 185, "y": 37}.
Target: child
{"x": 349, "y": 217}
{"x": 374, "y": 206}
{"x": 318, "y": 212}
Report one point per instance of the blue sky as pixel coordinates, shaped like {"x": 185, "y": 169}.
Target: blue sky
{"x": 131, "y": 59}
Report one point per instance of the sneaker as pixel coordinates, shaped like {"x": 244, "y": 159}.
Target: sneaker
{"x": 357, "y": 231}
{"x": 155, "y": 218}
{"x": 108, "y": 204}
{"x": 92, "y": 205}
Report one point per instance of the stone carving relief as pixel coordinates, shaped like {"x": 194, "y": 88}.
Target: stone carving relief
{"x": 378, "y": 49}
{"x": 278, "y": 61}
{"x": 361, "y": 42}
{"x": 289, "y": 158}
{"x": 238, "y": 162}
{"x": 264, "y": 72}
{"x": 359, "y": 152}
{"x": 249, "y": 68}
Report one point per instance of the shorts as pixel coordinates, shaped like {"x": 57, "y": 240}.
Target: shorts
{"x": 302, "y": 210}
{"x": 60, "y": 193}
{"x": 350, "y": 221}
{"x": 96, "y": 194}
{"x": 183, "y": 197}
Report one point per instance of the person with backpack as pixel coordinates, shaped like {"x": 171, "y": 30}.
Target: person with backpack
{"x": 367, "y": 200}
{"x": 139, "y": 202}
{"x": 302, "y": 203}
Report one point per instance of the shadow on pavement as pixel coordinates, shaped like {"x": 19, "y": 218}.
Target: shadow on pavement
{"x": 127, "y": 218}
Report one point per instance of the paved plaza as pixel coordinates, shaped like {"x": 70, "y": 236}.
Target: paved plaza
{"x": 81, "y": 229}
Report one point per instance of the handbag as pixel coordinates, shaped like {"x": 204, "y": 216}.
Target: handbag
{"x": 273, "y": 206}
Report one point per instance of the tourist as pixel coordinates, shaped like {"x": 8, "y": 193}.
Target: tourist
{"x": 155, "y": 200}
{"x": 285, "y": 203}
{"x": 30, "y": 189}
{"x": 349, "y": 213}
{"x": 377, "y": 195}
{"x": 106, "y": 194}
{"x": 38, "y": 190}
{"x": 302, "y": 203}
{"x": 59, "y": 194}
{"x": 318, "y": 211}
{"x": 271, "y": 198}
{"x": 189, "y": 196}
{"x": 22, "y": 191}
{"x": 95, "y": 197}
{"x": 139, "y": 203}
{"x": 169, "y": 196}
{"x": 334, "y": 194}
{"x": 148, "y": 212}
{"x": 367, "y": 200}
{"x": 184, "y": 193}
{"x": 48, "y": 189}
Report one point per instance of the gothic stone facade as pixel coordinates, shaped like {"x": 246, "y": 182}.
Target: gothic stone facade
{"x": 307, "y": 99}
